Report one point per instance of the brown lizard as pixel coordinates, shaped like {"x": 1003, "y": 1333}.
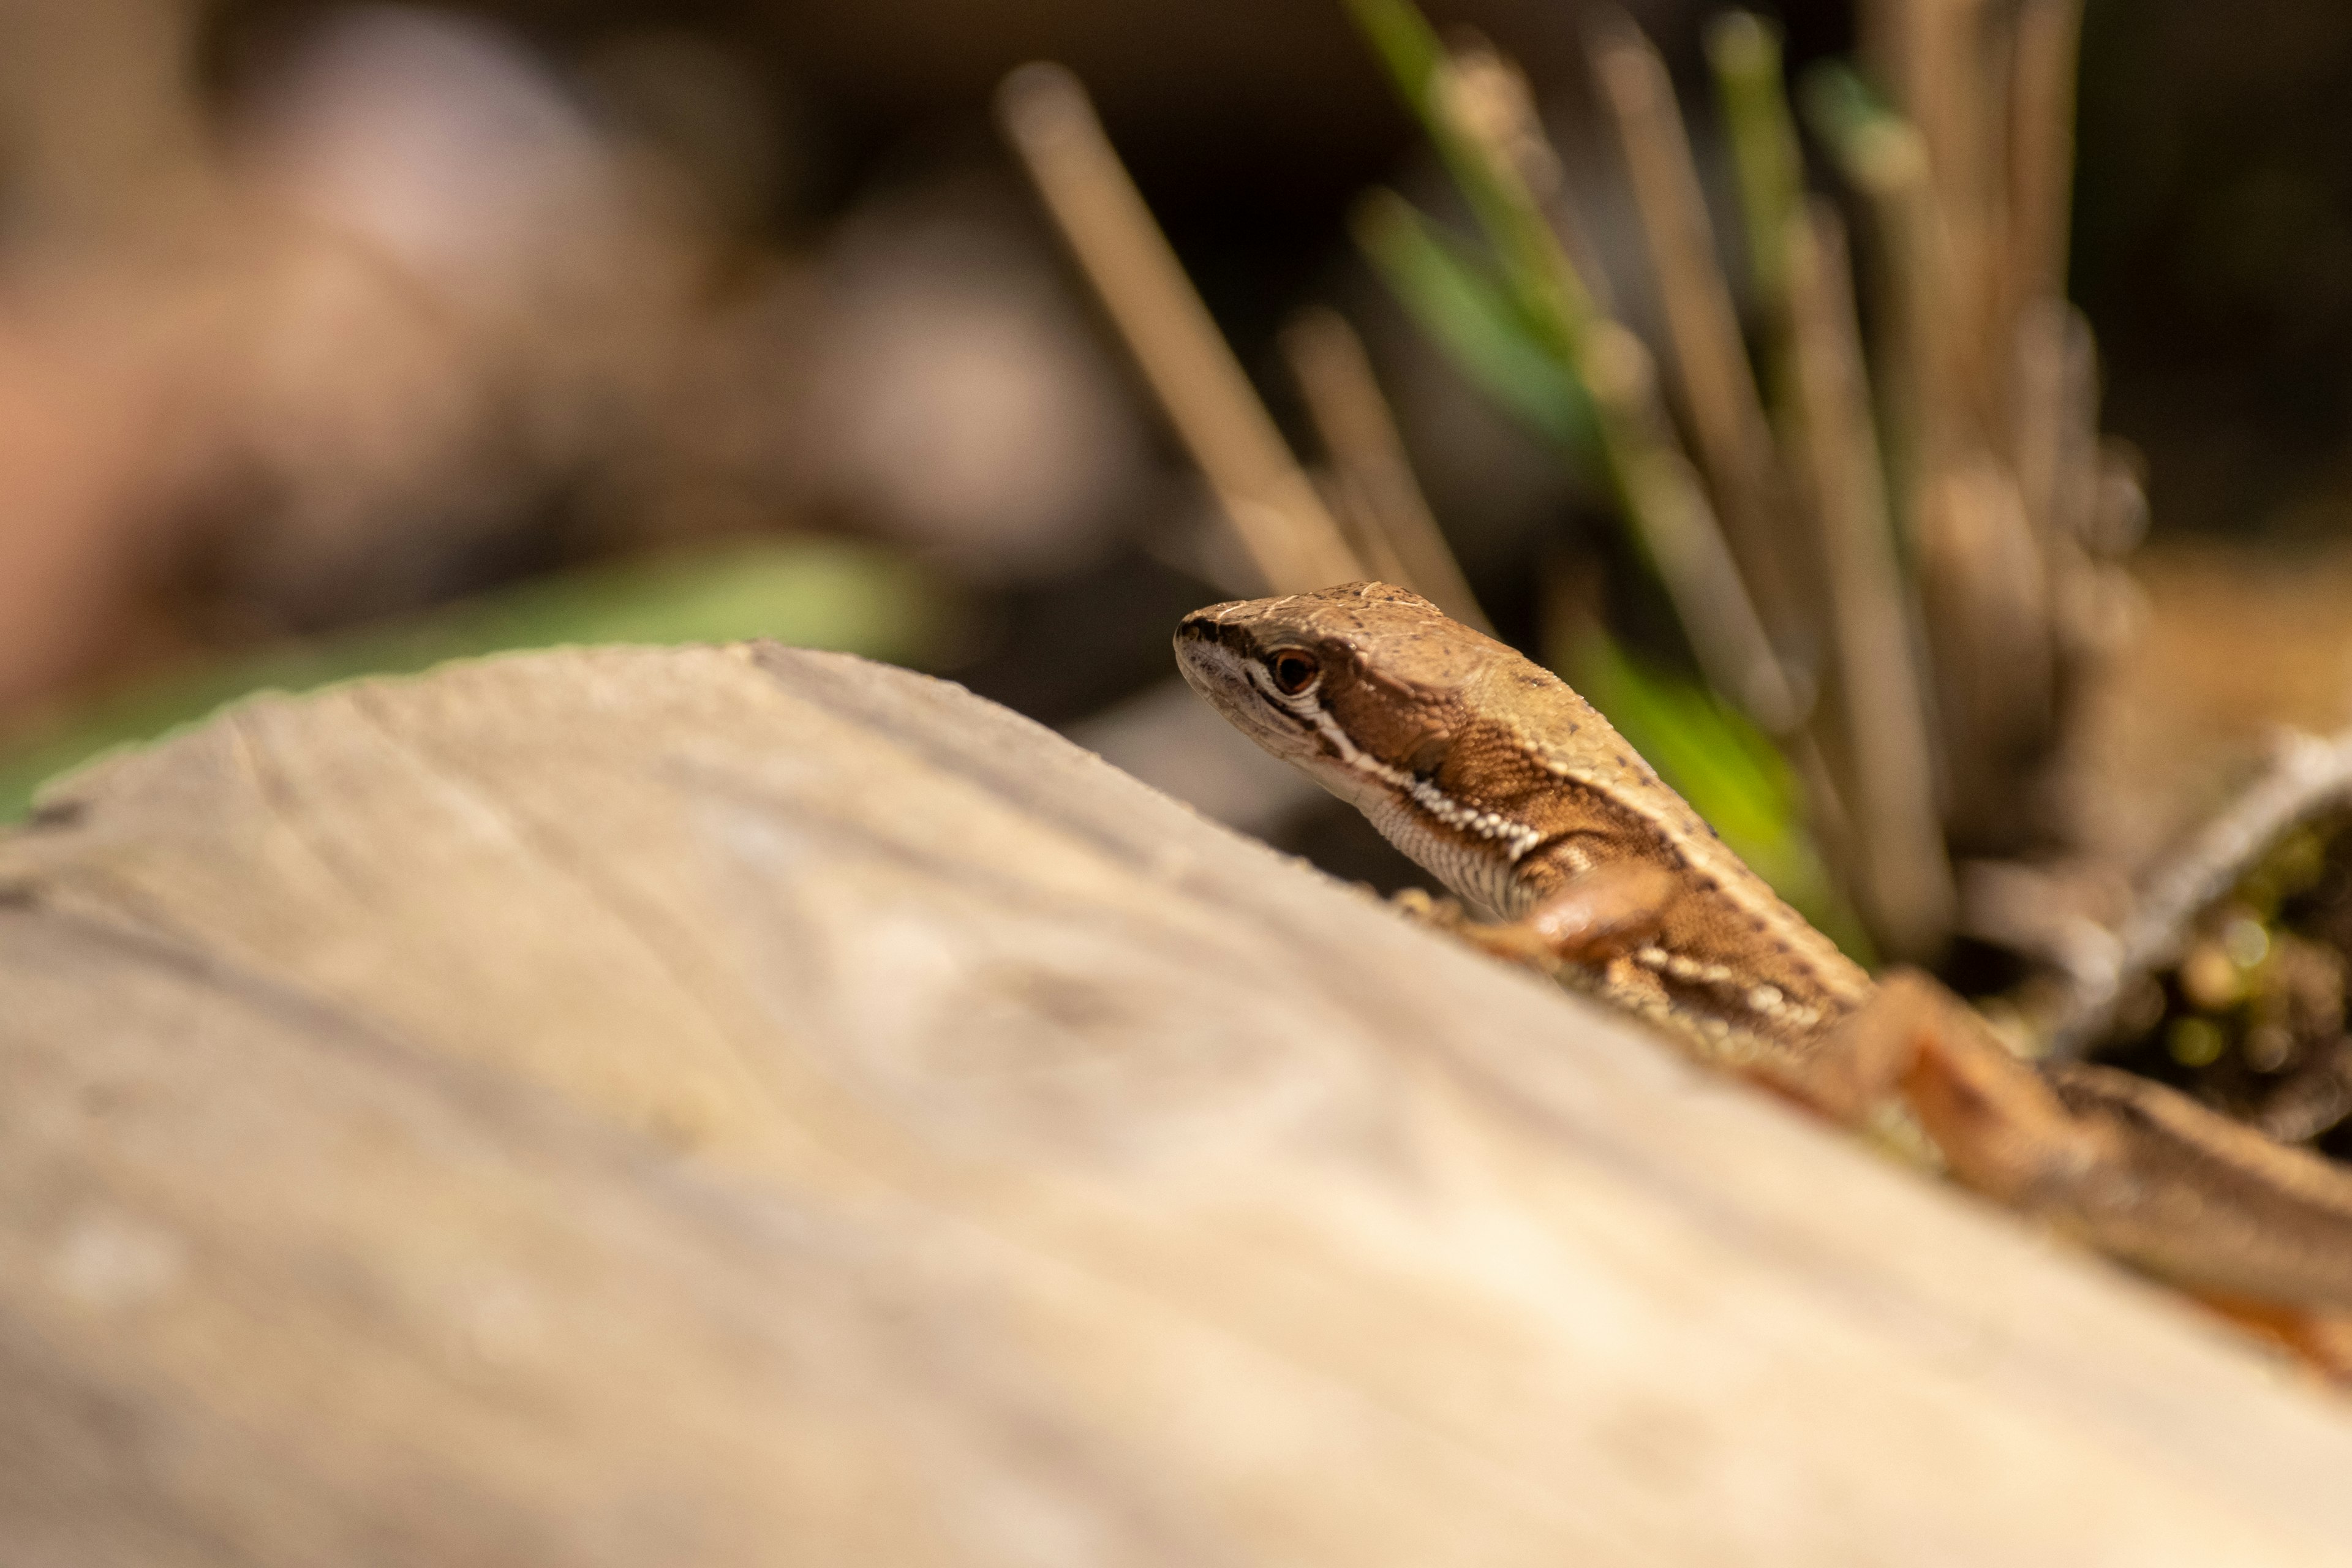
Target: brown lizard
{"x": 1518, "y": 796}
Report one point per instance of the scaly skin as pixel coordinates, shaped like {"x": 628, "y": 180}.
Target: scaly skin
{"x": 1511, "y": 790}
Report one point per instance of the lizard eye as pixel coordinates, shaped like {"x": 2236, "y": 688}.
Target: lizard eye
{"x": 1294, "y": 670}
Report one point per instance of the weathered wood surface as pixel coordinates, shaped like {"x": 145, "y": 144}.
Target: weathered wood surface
{"x": 741, "y": 1106}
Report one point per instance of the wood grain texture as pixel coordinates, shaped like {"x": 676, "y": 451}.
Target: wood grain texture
{"x": 742, "y": 1106}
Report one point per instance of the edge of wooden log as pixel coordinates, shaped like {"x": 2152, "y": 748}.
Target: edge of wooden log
{"x": 627, "y": 1105}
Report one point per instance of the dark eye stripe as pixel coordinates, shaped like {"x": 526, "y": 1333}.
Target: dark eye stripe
{"x": 1230, "y": 637}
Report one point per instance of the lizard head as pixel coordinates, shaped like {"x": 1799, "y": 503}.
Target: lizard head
{"x": 1361, "y": 673}
{"x": 1387, "y": 703}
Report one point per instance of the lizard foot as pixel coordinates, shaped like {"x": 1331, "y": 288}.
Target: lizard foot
{"x": 2258, "y": 1230}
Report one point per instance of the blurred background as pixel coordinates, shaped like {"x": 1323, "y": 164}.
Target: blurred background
{"x": 1724, "y": 362}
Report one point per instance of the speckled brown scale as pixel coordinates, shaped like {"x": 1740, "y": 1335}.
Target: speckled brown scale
{"x": 1519, "y": 798}
{"x": 1506, "y": 785}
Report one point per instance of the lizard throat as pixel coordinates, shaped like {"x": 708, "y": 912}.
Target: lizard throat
{"x": 1473, "y": 852}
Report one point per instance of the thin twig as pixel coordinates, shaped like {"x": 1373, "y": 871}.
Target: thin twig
{"x": 1985, "y": 588}
{"x": 1359, "y": 519}
{"x": 1886, "y": 159}
{"x": 2045, "y": 336}
{"x": 1984, "y": 580}
{"x": 2315, "y": 1101}
{"x": 1662, "y": 494}
{"x": 2076, "y": 496}
{"x": 1359, "y": 433}
{"x": 2041, "y": 432}
{"x": 1483, "y": 127}
{"x": 2042, "y": 149}
{"x": 2310, "y": 775}
{"x": 1272, "y": 504}
{"x": 1669, "y": 509}
{"x": 1745, "y": 53}
{"x": 1480, "y": 83}
{"x": 1941, "y": 82}
{"x": 1906, "y": 880}
{"x": 1717, "y": 383}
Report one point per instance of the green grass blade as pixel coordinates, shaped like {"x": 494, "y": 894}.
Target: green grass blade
{"x": 1744, "y": 51}
{"x": 1553, "y": 298}
{"x": 1727, "y": 769}
{"x": 812, "y": 594}
{"x": 1862, "y": 131}
{"x": 1474, "y": 319}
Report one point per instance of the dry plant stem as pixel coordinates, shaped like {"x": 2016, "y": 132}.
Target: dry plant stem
{"x": 1904, "y": 879}
{"x": 84, "y": 166}
{"x": 1997, "y": 439}
{"x": 1488, "y": 122}
{"x": 1717, "y": 383}
{"x": 1881, "y": 37}
{"x": 1283, "y": 523}
{"x": 1941, "y": 82}
{"x": 1888, "y": 158}
{"x": 2050, "y": 406}
{"x": 1745, "y": 53}
{"x": 1359, "y": 432}
{"x": 2074, "y": 497}
{"x": 1670, "y": 512}
{"x": 1357, "y": 515}
{"x": 2310, "y": 775}
{"x": 1490, "y": 97}
{"x": 1887, "y": 161}
{"x": 1483, "y": 119}
{"x": 2042, "y": 406}
{"x": 2315, "y": 1101}
{"x": 1984, "y": 586}
{"x": 2041, "y": 149}
{"x": 2064, "y": 473}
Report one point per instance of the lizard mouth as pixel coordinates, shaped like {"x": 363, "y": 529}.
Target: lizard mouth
{"x": 1218, "y": 671}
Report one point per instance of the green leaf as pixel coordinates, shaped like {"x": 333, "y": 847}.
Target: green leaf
{"x": 1727, "y": 768}
{"x": 1552, "y": 296}
{"x": 1744, "y": 50}
{"x": 1461, "y": 304}
{"x": 1873, "y": 145}
{"x": 808, "y": 592}
{"x": 1408, "y": 46}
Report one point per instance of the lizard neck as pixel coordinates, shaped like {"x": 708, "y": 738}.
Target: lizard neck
{"x": 1730, "y": 955}
{"x": 1530, "y": 795}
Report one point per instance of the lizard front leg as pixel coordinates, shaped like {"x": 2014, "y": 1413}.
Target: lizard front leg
{"x": 1605, "y": 917}
{"x": 1596, "y": 917}
{"x": 1509, "y": 788}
